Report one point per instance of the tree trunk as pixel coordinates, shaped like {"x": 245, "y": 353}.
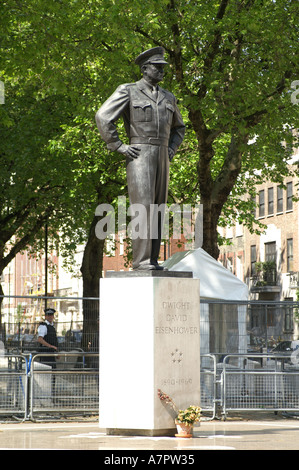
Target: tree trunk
{"x": 91, "y": 269}
{"x": 1, "y": 301}
{"x": 214, "y": 192}
{"x": 210, "y": 234}
{"x": 1, "y": 289}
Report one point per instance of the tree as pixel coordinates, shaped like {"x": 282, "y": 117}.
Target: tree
{"x": 39, "y": 176}
{"x": 32, "y": 188}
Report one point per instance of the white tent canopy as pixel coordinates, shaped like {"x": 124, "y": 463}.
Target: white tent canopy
{"x": 216, "y": 282}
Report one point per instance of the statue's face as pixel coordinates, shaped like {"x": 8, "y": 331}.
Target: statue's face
{"x": 154, "y": 73}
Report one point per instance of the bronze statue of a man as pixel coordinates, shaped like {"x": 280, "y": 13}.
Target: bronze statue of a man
{"x": 155, "y": 130}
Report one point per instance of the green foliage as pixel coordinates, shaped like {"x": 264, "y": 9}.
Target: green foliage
{"x": 190, "y": 415}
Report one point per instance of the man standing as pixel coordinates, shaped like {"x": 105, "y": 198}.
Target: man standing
{"x": 155, "y": 130}
{"x": 47, "y": 338}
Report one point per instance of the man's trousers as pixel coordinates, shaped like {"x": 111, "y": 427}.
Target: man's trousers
{"x": 147, "y": 178}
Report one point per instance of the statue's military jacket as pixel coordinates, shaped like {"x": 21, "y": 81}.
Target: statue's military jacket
{"x": 147, "y": 120}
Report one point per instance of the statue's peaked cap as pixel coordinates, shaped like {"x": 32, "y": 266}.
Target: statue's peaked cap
{"x": 151, "y": 56}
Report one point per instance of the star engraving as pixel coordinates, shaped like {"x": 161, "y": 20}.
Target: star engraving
{"x": 177, "y": 356}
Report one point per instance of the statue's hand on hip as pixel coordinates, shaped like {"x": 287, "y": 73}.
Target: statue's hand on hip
{"x": 170, "y": 153}
{"x": 129, "y": 150}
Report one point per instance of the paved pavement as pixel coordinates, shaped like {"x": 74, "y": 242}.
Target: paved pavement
{"x": 238, "y": 433}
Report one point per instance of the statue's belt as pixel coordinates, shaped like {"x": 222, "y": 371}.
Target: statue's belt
{"x": 149, "y": 140}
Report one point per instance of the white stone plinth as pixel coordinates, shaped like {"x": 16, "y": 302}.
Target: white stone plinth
{"x": 149, "y": 340}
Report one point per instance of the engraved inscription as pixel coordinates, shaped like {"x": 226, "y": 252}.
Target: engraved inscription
{"x": 176, "y": 317}
{"x": 177, "y": 381}
{"x": 177, "y": 330}
{"x": 176, "y": 305}
{"x": 175, "y": 314}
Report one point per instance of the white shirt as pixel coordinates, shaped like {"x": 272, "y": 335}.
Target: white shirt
{"x": 42, "y": 329}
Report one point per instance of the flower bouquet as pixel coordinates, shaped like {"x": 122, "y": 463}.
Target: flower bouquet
{"x": 185, "y": 419}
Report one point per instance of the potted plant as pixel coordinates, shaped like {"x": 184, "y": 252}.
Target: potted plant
{"x": 185, "y": 419}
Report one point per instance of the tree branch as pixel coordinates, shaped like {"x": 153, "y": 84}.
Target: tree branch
{"x": 212, "y": 48}
{"x": 22, "y": 213}
{"x": 25, "y": 240}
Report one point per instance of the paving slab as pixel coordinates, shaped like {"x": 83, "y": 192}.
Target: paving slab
{"x": 277, "y": 433}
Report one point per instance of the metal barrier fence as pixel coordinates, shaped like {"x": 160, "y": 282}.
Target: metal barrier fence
{"x": 13, "y": 385}
{"x": 31, "y": 388}
{"x": 69, "y": 386}
{"x": 259, "y": 383}
{"x": 249, "y": 382}
{"x": 239, "y": 370}
{"x": 208, "y": 385}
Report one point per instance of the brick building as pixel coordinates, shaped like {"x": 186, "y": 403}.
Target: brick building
{"x": 268, "y": 263}
{"x": 25, "y": 276}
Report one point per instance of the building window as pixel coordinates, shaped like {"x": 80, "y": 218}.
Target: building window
{"x": 270, "y": 316}
{"x": 229, "y": 232}
{"x": 121, "y": 244}
{"x": 253, "y": 200}
{"x": 239, "y": 229}
{"x": 289, "y": 196}
{"x": 270, "y": 201}
{"x": 270, "y": 263}
{"x": 290, "y": 266}
{"x": 261, "y": 203}
{"x": 255, "y": 316}
{"x": 279, "y": 199}
{"x": 110, "y": 245}
{"x": 270, "y": 251}
{"x": 288, "y": 316}
{"x": 229, "y": 264}
{"x": 261, "y": 316}
{"x": 253, "y": 259}
{"x": 239, "y": 268}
